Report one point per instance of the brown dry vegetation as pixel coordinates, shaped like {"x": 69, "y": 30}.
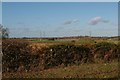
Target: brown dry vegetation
{"x": 23, "y": 57}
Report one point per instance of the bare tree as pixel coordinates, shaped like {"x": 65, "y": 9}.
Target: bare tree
{"x": 4, "y": 32}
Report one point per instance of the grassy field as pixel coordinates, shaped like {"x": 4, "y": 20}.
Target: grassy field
{"x": 101, "y": 70}
{"x": 76, "y": 41}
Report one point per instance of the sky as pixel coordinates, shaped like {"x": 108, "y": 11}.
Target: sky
{"x": 59, "y": 19}
{"x": 60, "y": 0}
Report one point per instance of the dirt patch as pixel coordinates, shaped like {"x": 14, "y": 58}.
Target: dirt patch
{"x": 38, "y": 45}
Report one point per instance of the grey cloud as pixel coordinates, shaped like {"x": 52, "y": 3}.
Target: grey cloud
{"x": 68, "y": 22}
{"x": 71, "y": 21}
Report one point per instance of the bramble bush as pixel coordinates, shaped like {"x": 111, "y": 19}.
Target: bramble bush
{"x": 104, "y": 49}
{"x": 66, "y": 54}
{"x": 16, "y": 53}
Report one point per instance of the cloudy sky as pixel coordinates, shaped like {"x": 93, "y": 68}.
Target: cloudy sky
{"x": 58, "y": 19}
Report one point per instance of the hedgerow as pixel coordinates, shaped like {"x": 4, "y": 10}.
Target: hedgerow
{"x": 66, "y": 54}
{"x": 104, "y": 49}
{"x": 17, "y": 52}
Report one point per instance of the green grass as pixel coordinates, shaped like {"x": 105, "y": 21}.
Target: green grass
{"x": 95, "y": 70}
{"x": 49, "y": 41}
{"x": 77, "y": 41}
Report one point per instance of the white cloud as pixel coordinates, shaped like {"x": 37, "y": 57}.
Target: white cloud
{"x": 96, "y": 20}
{"x": 71, "y": 21}
{"x": 75, "y": 21}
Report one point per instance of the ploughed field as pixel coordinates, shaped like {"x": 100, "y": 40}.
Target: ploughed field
{"x": 60, "y": 58}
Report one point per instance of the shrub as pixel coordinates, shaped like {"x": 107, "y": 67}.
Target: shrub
{"x": 116, "y": 51}
{"x": 105, "y": 50}
{"x": 66, "y": 54}
{"x": 17, "y": 52}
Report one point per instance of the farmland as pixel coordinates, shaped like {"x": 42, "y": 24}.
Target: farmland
{"x": 73, "y": 57}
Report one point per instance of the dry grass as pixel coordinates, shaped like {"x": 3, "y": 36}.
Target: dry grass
{"x": 101, "y": 70}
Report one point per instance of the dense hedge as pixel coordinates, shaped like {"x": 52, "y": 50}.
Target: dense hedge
{"x": 105, "y": 50}
{"x": 67, "y": 54}
{"x": 17, "y": 53}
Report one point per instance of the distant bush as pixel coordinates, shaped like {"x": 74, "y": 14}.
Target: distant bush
{"x": 52, "y": 39}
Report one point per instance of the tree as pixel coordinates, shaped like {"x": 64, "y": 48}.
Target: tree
{"x": 4, "y": 32}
